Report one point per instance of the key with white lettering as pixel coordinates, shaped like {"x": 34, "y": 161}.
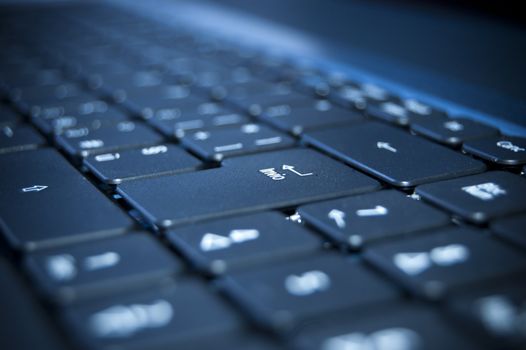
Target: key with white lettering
{"x": 100, "y": 267}
{"x": 194, "y": 116}
{"x": 82, "y": 142}
{"x": 243, "y": 241}
{"x": 249, "y": 138}
{"x": 44, "y": 201}
{"x": 160, "y": 318}
{"x": 452, "y": 132}
{"x": 356, "y": 220}
{"x": 243, "y": 184}
{"x": 503, "y": 150}
{"x": 479, "y": 198}
{"x": 284, "y": 295}
{"x": 115, "y": 167}
{"x": 392, "y": 155}
{"x": 311, "y": 114}
{"x": 400, "y": 326}
{"x": 434, "y": 263}
{"x": 405, "y": 112}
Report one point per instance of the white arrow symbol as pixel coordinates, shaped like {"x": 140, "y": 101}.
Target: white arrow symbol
{"x": 338, "y": 216}
{"x": 35, "y": 188}
{"x": 377, "y": 211}
{"x": 291, "y": 169}
{"x": 387, "y": 146}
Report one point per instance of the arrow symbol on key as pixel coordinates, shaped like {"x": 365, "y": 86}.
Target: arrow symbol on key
{"x": 386, "y": 146}
{"x": 376, "y": 211}
{"x": 291, "y": 169}
{"x": 338, "y": 216}
{"x": 35, "y": 188}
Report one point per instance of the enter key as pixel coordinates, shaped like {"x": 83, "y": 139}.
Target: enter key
{"x": 266, "y": 181}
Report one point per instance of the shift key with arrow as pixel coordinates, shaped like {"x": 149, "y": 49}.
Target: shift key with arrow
{"x": 354, "y": 221}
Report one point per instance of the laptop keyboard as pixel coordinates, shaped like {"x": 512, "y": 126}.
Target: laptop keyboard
{"x": 164, "y": 188}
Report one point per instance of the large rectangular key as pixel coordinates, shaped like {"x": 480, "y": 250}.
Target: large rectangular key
{"x": 392, "y": 155}
{"x": 45, "y": 201}
{"x": 244, "y": 184}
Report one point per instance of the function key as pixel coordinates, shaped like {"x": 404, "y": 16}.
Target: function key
{"x": 479, "y": 198}
{"x": 101, "y": 267}
{"x": 452, "y": 132}
{"x": 503, "y": 150}
{"x": 241, "y": 242}
{"x": 284, "y": 295}
{"x": 115, "y": 167}
{"x": 249, "y": 138}
{"x": 393, "y": 155}
{"x": 431, "y": 264}
{"x": 353, "y": 221}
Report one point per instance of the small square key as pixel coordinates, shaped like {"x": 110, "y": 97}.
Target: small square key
{"x": 479, "y": 198}
{"x": 353, "y": 221}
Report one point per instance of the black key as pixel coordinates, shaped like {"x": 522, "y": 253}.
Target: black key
{"x": 102, "y": 266}
{"x": 205, "y": 115}
{"x": 360, "y": 96}
{"x": 315, "y": 114}
{"x": 392, "y": 155}
{"x": 452, "y": 132}
{"x": 77, "y": 106}
{"x": 113, "y": 168}
{"x": 146, "y": 102}
{"x": 126, "y": 78}
{"x": 431, "y": 264}
{"x": 8, "y": 116}
{"x": 127, "y": 134}
{"x": 401, "y": 326}
{"x": 495, "y": 314}
{"x": 32, "y": 100}
{"x": 19, "y": 138}
{"x": 246, "y": 95}
{"x": 479, "y": 198}
{"x": 354, "y": 221}
{"x": 249, "y": 138}
{"x": 405, "y": 112}
{"x": 243, "y": 184}
{"x": 45, "y": 201}
{"x": 511, "y": 229}
{"x": 157, "y": 319}
{"x": 241, "y": 242}
{"x": 284, "y": 294}
{"x": 503, "y": 150}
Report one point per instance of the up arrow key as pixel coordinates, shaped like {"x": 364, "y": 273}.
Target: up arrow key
{"x": 35, "y": 188}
